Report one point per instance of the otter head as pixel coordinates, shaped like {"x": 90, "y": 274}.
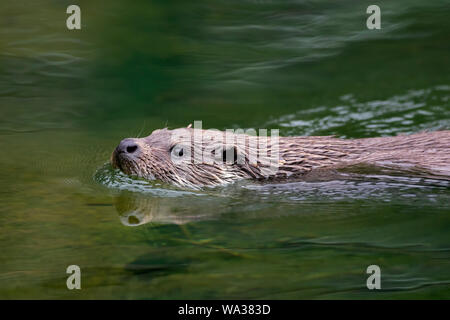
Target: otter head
{"x": 191, "y": 158}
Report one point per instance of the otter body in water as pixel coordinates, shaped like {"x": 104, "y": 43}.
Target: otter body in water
{"x": 195, "y": 158}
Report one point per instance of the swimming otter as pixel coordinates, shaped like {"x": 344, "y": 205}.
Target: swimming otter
{"x": 195, "y": 158}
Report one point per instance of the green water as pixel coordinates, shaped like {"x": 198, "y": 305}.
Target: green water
{"x": 306, "y": 67}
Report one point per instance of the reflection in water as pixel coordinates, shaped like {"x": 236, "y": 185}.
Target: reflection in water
{"x": 256, "y": 200}
{"x": 137, "y": 209}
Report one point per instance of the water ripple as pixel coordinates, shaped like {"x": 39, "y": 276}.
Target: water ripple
{"x": 411, "y": 112}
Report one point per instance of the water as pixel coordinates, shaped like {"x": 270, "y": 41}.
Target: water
{"x": 68, "y": 97}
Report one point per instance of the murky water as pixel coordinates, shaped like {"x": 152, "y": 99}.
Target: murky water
{"x": 68, "y": 97}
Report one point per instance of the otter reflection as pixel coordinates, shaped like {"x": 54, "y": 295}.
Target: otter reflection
{"x": 256, "y": 201}
{"x": 138, "y": 209}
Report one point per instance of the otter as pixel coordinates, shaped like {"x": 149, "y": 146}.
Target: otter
{"x": 196, "y": 158}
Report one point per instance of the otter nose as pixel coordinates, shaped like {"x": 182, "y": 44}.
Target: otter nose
{"x": 127, "y": 146}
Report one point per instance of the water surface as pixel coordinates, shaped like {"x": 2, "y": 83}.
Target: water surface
{"x": 308, "y": 68}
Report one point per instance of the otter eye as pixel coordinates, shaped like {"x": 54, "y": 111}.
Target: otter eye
{"x": 229, "y": 155}
{"x": 177, "y": 151}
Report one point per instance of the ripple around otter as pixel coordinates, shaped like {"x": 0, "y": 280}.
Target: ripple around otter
{"x": 376, "y": 187}
{"x": 115, "y": 179}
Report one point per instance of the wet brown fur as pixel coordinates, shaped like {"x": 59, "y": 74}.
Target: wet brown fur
{"x": 422, "y": 154}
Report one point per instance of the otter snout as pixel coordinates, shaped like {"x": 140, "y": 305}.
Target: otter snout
{"x": 125, "y": 151}
{"x": 127, "y": 146}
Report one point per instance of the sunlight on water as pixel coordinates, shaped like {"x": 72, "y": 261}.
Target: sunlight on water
{"x": 411, "y": 112}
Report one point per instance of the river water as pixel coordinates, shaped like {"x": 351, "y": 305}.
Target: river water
{"x": 304, "y": 67}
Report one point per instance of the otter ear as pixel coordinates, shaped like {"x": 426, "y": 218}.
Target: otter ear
{"x": 229, "y": 155}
